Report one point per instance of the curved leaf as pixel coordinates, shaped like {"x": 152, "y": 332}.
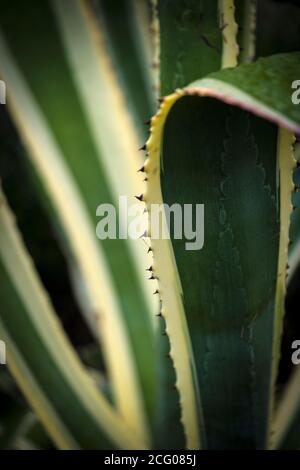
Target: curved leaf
{"x": 225, "y": 297}
{"x": 42, "y": 361}
{"x": 70, "y": 114}
{"x": 263, "y": 88}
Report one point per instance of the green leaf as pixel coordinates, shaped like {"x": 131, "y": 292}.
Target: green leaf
{"x": 42, "y": 360}
{"x": 70, "y": 114}
{"x": 225, "y": 310}
{"x": 264, "y": 88}
{"x": 195, "y": 38}
{"x": 246, "y": 11}
{"x": 123, "y": 24}
{"x": 190, "y": 41}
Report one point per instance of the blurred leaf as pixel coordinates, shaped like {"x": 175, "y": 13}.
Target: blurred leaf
{"x": 286, "y": 428}
{"x": 123, "y": 23}
{"x": 44, "y": 365}
{"x": 70, "y": 114}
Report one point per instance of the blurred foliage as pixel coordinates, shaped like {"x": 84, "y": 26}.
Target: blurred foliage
{"x": 278, "y": 30}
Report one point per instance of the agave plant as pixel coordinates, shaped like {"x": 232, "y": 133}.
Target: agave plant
{"x": 189, "y": 358}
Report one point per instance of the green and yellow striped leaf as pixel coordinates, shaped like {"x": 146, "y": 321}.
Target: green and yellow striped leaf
{"x": 51, "y": 376}
{"x": 224, "y": 304}
{"x": 71, "y": 115}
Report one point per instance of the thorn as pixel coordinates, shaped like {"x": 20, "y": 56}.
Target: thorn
{"x": 158, "y": 315}
{"x": 145, "y": 179}
{"x": 144, "y": 147}
{"x": 152, "y": 278}
{"x": 164, "y": 333}
{"x": 147, "y": 123}
{"x": 223, "y": 27}
{"x": 161, "y": 99}
{"x": 156, "y": 292}
{"x": 150, "y": 269}
{"x": 142, "y": 169}
{"x": 149, "y": 249}
{"x": 168, "y": 356}
{"x": 139, "y": 198}
{"x": 144, "y": 235}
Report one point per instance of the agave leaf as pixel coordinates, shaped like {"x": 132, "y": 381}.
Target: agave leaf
{"x": 196, "y": 38}
{"x": 74, "y": 412}
{"x": 249, "y": 87}
{"x": 123, "y": 24}
{"x": 120, "y": 22}
{"x": 155, "y": 46}
{"x": 271, "y": 38}
{"x": 229, "y": 29}
{"x": 220, "y": 303}
{"x": 71, "y": 116}
{"x": 246, "y": 19}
